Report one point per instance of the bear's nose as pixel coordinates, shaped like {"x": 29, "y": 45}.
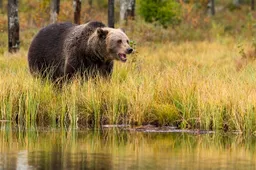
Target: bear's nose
{"x": 129, "y": 50}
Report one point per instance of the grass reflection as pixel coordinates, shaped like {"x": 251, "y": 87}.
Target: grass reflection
{"x": 119, "y": 149}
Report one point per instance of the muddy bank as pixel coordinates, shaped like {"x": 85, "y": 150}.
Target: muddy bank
{"x": 156, "y": 129}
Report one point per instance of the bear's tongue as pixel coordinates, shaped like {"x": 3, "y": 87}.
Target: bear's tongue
{"x": 122, "y": 57}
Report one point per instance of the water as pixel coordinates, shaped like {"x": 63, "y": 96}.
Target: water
{"x": 118, "y": 149}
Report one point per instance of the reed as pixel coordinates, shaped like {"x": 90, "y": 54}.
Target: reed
{"x": 190, "y": 85}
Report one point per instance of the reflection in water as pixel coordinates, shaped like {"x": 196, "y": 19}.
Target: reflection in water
{"x": 117, "y": 149}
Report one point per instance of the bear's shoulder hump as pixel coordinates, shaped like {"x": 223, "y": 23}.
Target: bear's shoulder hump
{"x": 95, "y": 24}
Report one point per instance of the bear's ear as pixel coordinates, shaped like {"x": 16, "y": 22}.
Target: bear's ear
{"x": 102, "y": 33}
{"x": 122, "y": 29}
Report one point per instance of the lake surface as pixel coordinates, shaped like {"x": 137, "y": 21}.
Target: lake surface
{"x": 120, "y": 149}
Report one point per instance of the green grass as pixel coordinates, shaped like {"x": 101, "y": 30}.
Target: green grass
{"x": 184, "y": 76}
{"x": 191, "y": 85}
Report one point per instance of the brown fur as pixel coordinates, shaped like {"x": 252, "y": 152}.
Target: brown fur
{"x": 63, "y": 50}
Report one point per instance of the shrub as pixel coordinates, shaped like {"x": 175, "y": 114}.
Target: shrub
{"x": 163, "y": 12}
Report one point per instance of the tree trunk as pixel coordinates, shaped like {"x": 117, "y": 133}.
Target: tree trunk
{"x": 90, "y": 3}
{"x": 252, "y": 5}
{"x": 77, "y": 11}
{"x": 13, "y": 26}
{"x": 90, "y": 7}
{"x": 127, "y": 9}
{"x": 111, "y": 12}
{"x": 123, "y": 7}
{"x": 236, "y": 2}
{"x": 55, "y": 8}
{"x": 131, "y": 10}
{"x": 1, "y": 4}
{"x": 212, "y": 7}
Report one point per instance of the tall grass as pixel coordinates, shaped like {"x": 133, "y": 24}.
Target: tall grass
{"x": 189, "y": 85}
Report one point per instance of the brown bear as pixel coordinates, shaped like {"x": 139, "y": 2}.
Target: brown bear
{"x": 62, "y": 50}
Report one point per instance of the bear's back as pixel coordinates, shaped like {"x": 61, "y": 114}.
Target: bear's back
{"x": 60, "y": 49}
{"x": 45, "y": 49}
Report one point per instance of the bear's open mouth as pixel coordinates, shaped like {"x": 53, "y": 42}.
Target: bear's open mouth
{"x": 122, "y": 57}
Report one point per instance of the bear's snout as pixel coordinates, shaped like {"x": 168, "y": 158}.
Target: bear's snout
{"x": 129, "y": 50}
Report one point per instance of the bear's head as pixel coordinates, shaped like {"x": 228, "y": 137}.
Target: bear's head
{"x": 115, "y": 43}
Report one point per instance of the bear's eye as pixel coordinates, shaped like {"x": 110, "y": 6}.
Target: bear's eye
{"x": 119, "y": 41}
{"x": 127, "y": 41}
